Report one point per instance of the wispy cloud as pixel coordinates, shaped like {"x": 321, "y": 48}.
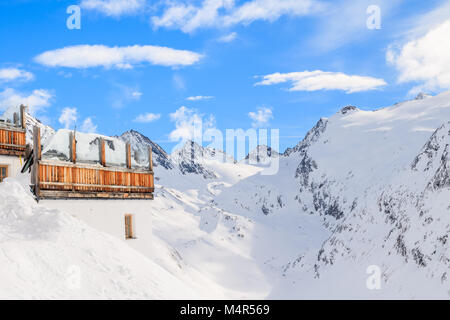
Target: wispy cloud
{"x": 178, "y": 82}
{"x": 88, "y": 126}
{"x": 341, "y": 24}
{"x": 322, "y": 80}
{"x": 88, "y": 56}
{"x": 187, "y": 17}
{"x": 261, "y": 117}
{"x": 147, "y": 117}
{"x": 114, "y": 8}
{"x": 68, "y": 117}
{"x": 189, "y": 124}
{"x": 228, "y": 37}
{"x": 424, "y": 59}
{"x": 12, "y": 74}
{"x": 198, "y": 98}
{"x": 136, "y": 94}
{"x": 36, "y": 100}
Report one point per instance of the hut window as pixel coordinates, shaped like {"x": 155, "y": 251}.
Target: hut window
{"x": 3, "y": 172}
{"x": 129, "y": 227}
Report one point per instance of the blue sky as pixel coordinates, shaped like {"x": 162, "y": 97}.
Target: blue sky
{"x": 104, "y": 77}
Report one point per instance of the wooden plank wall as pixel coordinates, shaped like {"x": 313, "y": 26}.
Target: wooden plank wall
{"x": 12, "y": 139}
{"x": 83, "y": 179}
{"x": 57, "y": 179}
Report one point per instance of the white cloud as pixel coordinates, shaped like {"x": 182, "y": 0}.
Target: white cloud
{"x": 68, "y": 117}
{"x": 189, "y": 124}
{"x": 36, "y": 100}
{"x": 87, "y": 56}
{"x": 224, "y": 13}
{"x": 198, "y": 98}
{"x": 271, "y": 10}
{"x": 261, "y": 117}
{"x": 11, "y": 74}
{"x": 425, "y": 59}
{"x": 322, "y": 80}
{"x": 88, "y": 126}
{"x": 228, "y": 37}
{"x": 114, "y": 8}
{"x": 147, "y": 117}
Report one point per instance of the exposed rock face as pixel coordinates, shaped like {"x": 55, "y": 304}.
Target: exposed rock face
{"x": 310, "y": 137}
{"x": 348, "y": 109}
{"x": 260, "y": 155}
{"x": 190, "y": 159}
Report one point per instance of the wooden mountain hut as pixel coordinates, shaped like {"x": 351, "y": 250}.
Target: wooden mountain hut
{"x": 12, "y": 141}
{"x": 88, "y": 166}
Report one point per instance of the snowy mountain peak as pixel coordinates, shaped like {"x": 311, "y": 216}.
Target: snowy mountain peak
{"x": 310, "y": 137}
{"x": 139, "y": 146}
{"x": 261, "y": 154}
{"x": 422, "y": 95}
{"x": 191, "y": 150}
{"x": 348, "y": 109}
{"x": 193, "y": 158}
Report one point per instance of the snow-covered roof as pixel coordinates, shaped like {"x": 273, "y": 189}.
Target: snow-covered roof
{"x": 8, "y": 116}
{"x": 87, "y": 148}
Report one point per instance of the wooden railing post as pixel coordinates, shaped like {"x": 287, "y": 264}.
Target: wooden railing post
{"x": 150, "y": 159}
{"x": 37, "y": 157}
{"x": 73, "y": 147}
{"x": 102, "y": 152}
{"x": 16, "y": 119}
{"x": 23, "y": 116}
{"x": 37, "y": 142}
{"x": 128, "y": 150}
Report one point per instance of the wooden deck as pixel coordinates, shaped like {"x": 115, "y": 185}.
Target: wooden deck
{"x": 60, "y": 179}
{"x": 53, "y": 179}
{"x": 12, "y": 140}
{"x": 13, "y": 135}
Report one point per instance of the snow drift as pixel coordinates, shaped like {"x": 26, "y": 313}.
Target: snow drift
{"x": 47, "y": 254}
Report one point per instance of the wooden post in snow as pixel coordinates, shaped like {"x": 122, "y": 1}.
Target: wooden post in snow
{"x": 73, "y": 155}
{"x": 150, "y": 159}
{"x": 37, "y": 157}
{"x": 23, "y": 116}
{"x": 128, "y": 150}
{"x": 16, "y": 119}
{"x": 102, "y": 152}
{"x": 73, "y": 147}
{"x": 37, "y": 142}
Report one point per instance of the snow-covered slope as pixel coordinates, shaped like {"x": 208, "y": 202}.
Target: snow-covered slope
{"x": 362, "y": 189}
{"x": 262, "y": 154}
{"x": 378, "y": 181}
{"x": 47, "y": 254}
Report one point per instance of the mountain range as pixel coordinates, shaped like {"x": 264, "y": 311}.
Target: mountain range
{"x": 364, "y": 190}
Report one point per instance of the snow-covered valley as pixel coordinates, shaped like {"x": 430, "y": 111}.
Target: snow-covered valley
{"x": 364, "y": 188}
